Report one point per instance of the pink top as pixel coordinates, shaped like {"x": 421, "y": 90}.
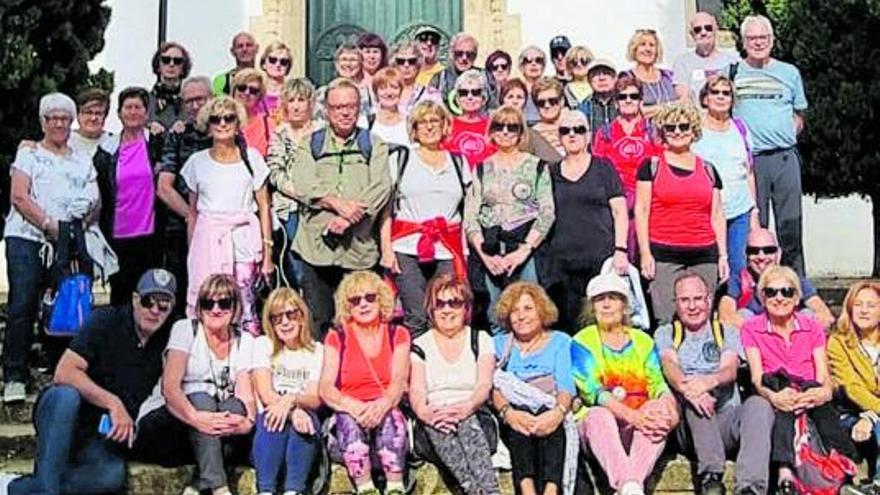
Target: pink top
{"x": 135, "y": 191}
{"x": 794, "y": 357}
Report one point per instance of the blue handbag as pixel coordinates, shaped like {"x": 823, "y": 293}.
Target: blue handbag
{"x": 72, "y": 306}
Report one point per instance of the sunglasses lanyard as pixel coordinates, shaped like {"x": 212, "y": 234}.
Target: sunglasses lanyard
{"x": 214, "y": 380}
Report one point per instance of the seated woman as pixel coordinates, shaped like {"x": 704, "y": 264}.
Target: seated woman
{"x": 206, "y": 385}
{"x": 785, "y": 350}
{"x": 286, "y": 367}
{"x": 452, "y": 367}
{"x": 364, "y": 374}
{"x": 618, "y": 375}
{"x": 533, "y": 390}
{"x": 853, "y": 350}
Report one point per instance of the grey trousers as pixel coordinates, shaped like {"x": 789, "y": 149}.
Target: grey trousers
{"x": 662, "y": 291}
{"x": 465, "y": 454}
{"x": 411, "y": 283}
{"x": 208, "y": 449}
{"x": 778, "y": 181}
{"x": 746, "y": 427}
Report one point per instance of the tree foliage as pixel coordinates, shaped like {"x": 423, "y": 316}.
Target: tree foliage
{"x": 833, "y": 43}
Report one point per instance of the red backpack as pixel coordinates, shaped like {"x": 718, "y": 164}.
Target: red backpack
{"x": 818, "y": 471}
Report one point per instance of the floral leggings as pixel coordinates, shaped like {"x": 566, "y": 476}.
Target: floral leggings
{"x": 358, "y": 446}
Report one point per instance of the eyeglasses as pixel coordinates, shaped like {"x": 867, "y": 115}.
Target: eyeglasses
{"x": 449, "y": 303}
{"x": 150, "y": 300}
{"x": 282, "y": 61}
{"x": 628, "y": 96}
{"x": 501, "y": 66}
{"x": 787, "y": 292}
{"x": 223, "y": 303}
{"x": 229, "y": 118}
{"x": 695, "y": 301}
{"x": 470, "y": 55}
{"x": 699, "y": 29}
{"x": 291, "y": 315}
{"x": 406, "y": 60}
{"x": 430, "y": 121}
{"x": 535, "y": 60}
{"x": 169, "y": 60}
{"x": 429, "y": 38}
{"x": 338, "y": 107}
{"x": 370, "y": 298}
{"x": 195, "y": 100}
{"x": 755, "y": 250}
{"x": 558, "y": 53}
{"x": 578, "y": 129}
{"x": 504, "y": 127}
{"x": 758, "y": 37}
{"x": 547, "y": 102}
{"x": 464, "y": 93}
{"x": 58, "y": 119}
{"x": 680, "y": 127}
{"x": 720, "y": 92}
{"x": 248, "y": 89}
{"x": 93, "y": 114}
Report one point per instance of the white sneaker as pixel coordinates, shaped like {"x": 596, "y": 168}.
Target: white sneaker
{"x": 190, "y": 490}
{"x": 14, "y": 392}
{"x": 5, "y": 480}
{"x": 223, "y": 490}
{"x": 501, "y": 458}
{"x": 631, "y": 488}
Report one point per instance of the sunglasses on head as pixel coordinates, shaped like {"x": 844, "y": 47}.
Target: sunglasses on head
{"x": 291, "y": 315}
{"x": 628, "y": 96}
{"x": 406, "y": 60}
{"x": 470, "y": 55}
{"x": 247, "y": 89}
{"x": 699, "y": 29}
{"x": 223, "y": 303}
{"x": 282, "y": 61}
{"x": 720, "y": 92}
{"x": 501, "y": 66}
{"x": 464, "y": 93}
{"x": 680, "y": 127}
{"x": 169, "y": 60}
{"x": 578, "y": 129}
{"x": 503, "y": 127}
{"x": 787, "y": 292}
{"x": 755, "y": 250}
{"x": 229, "y": 118}
{"x": 456, "y": 303}
{"x": 535, "y": 60}
{"x": 370, "y": 298}
{"x": 150, "y": 300}
{"x": 547, "y": 102}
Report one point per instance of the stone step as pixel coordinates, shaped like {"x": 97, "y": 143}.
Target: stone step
{"x": 17, "y": 440}
{"x": 18, "y": 412}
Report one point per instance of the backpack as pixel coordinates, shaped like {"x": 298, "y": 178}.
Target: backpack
{"x": 710, "y": 170}
{"x": 678, "y": 333}
{"x": 364, "y": 142}
{"x": 817, "y": 470}
{"x": 743, "y": 131}
{"x": 403, "y": 161}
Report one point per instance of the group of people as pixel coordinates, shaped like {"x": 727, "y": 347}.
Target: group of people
{"x": 298, "y": 271}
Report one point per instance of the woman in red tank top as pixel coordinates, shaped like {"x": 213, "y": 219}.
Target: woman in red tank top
{"x": 679, "y": 217}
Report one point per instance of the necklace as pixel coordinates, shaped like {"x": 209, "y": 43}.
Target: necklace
{"x": 531, "y": 345}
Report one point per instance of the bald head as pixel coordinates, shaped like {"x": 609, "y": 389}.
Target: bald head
{"x": 762, "y": 250}
{"x": 704, "y": 28}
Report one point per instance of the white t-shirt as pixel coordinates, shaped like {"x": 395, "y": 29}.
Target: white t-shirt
{"x": 451, "y": 382}
{"x": 227, "y": 188}
{"x": 426, "y": 194}
{"x": 693, "y": 70}
{"x": 392, "y": 134}
{"x": 59, "y": 184}
{"x": 89, "y": 146}
{"x": 291, "y": 370}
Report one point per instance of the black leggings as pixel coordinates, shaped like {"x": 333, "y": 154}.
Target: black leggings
{"x": 540, "y": 459}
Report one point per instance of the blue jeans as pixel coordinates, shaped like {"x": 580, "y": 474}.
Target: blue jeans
{"x": 867, "y": 448}
{"x": 737, "y": 237}
{"x": 69, "y": 459}
{"x": 286, "y": 450}
{"x": 26, "y": 279}
{"x": 526, "y": 272}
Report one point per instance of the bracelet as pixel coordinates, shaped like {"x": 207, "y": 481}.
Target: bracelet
{"x": 268, "y": 242}
{"x": 503, "y": 411}
{"x": 619, "y": 249}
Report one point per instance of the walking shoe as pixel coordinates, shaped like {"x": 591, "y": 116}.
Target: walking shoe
{"x": 190, "y": 490}
{"x": 5, "y": 480}
{"x": 14, "y": 392}
{"x": 632, "y": 488}
{"x": 786, "y": 487}
{"x": 712, "y": 484}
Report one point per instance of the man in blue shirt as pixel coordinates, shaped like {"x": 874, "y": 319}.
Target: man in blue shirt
{"x": 770, "y": 99}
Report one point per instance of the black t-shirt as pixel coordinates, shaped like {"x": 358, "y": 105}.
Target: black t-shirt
{"x": 583, "y": 233}
{"x": 117, "y": 362}
{"x": 678, "y": 254}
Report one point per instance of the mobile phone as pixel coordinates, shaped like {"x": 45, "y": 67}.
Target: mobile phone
{"x": 105, "y": 425}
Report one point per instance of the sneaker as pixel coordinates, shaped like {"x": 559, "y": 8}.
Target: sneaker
{"x": 5, "y": 480}
{"x": 291, "y": 492}
{"x": 14, "y": 392}
{"x": 223, "y": 490}
{"x": 712, "y": 484}
{"x": 786, "y": 487}
{"x": 632, "y": 488}
{"x": 190, "y": 490}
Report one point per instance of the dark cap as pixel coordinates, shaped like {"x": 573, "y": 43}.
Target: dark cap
{"x": 157, "y": 281}
{"x": 426, "y": 29}
{"x": 560, "y": 44}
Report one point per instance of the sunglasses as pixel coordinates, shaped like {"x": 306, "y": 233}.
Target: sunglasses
{"x": 755, "y": 250}
{"x": 251, "y": 90}
{"x": 680, "y": 127}
{"x": 229, "y": 118}
{"x": 464, "y": 93}
{"x": 556, "y": 54}
{"x": 547, "y": 102}
{"x": 464, "y": 54}
{"x": 291, "y": 315}
{"x": 370, "y": 298}
{"x": 223, "y": 303}
{"x": 282, "y": 61}
{"x": 502, "y": 127}
{"x": 429, "y": 38}
{"x": 536, "y": 60}
{"x": 578, "y": 129}
{"x": 169, "y": 60}
{"x": 406, "y": 60}
{"x": 720, "y": 92}
{"x": 497, "y": 67}
{"x": 628, "y": 96}
{"x": 449, "y": 303}
{"x": 149, "y": 301}
{"x": 787, "y": 292}
{"x": 582, "y": 62}
{"x": 699, "y": 29}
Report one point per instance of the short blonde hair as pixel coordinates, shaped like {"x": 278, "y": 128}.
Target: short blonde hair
{"x": 511, "y": 295}
{"x": 779, "y": 272}
{"x": 279, "y": 299}
{"x": 220, "y": 105}
{"x": 275, "y": 46}
{"x": 575, "y": 53}
{"x": 675, "y": 112}
{"x": 362, "y": 281}
{"x": 245, "y": 76}
{"x": 637, "y": 38}
{"x": 299, "y": 87}
{"x": 423, "y": 110}
{"x": 507, "y": 114}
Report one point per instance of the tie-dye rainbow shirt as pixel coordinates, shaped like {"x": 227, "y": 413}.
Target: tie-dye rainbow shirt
{"x": 631, "y": 375}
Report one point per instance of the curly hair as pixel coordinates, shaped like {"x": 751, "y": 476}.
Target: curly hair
{"x": 218, "y": 106}
{"x": 673, "y": 113}
{"x": 511, "y": 295}
{"x": 279, "y": 299}
{"x": 359, "y": 282}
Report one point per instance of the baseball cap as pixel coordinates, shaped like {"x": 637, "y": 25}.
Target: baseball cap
{"x": 601, "y": 62}
{"x": 157, "y": 281}
{"x": 559, "y": 44}
{"x": 605, "y": 283}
